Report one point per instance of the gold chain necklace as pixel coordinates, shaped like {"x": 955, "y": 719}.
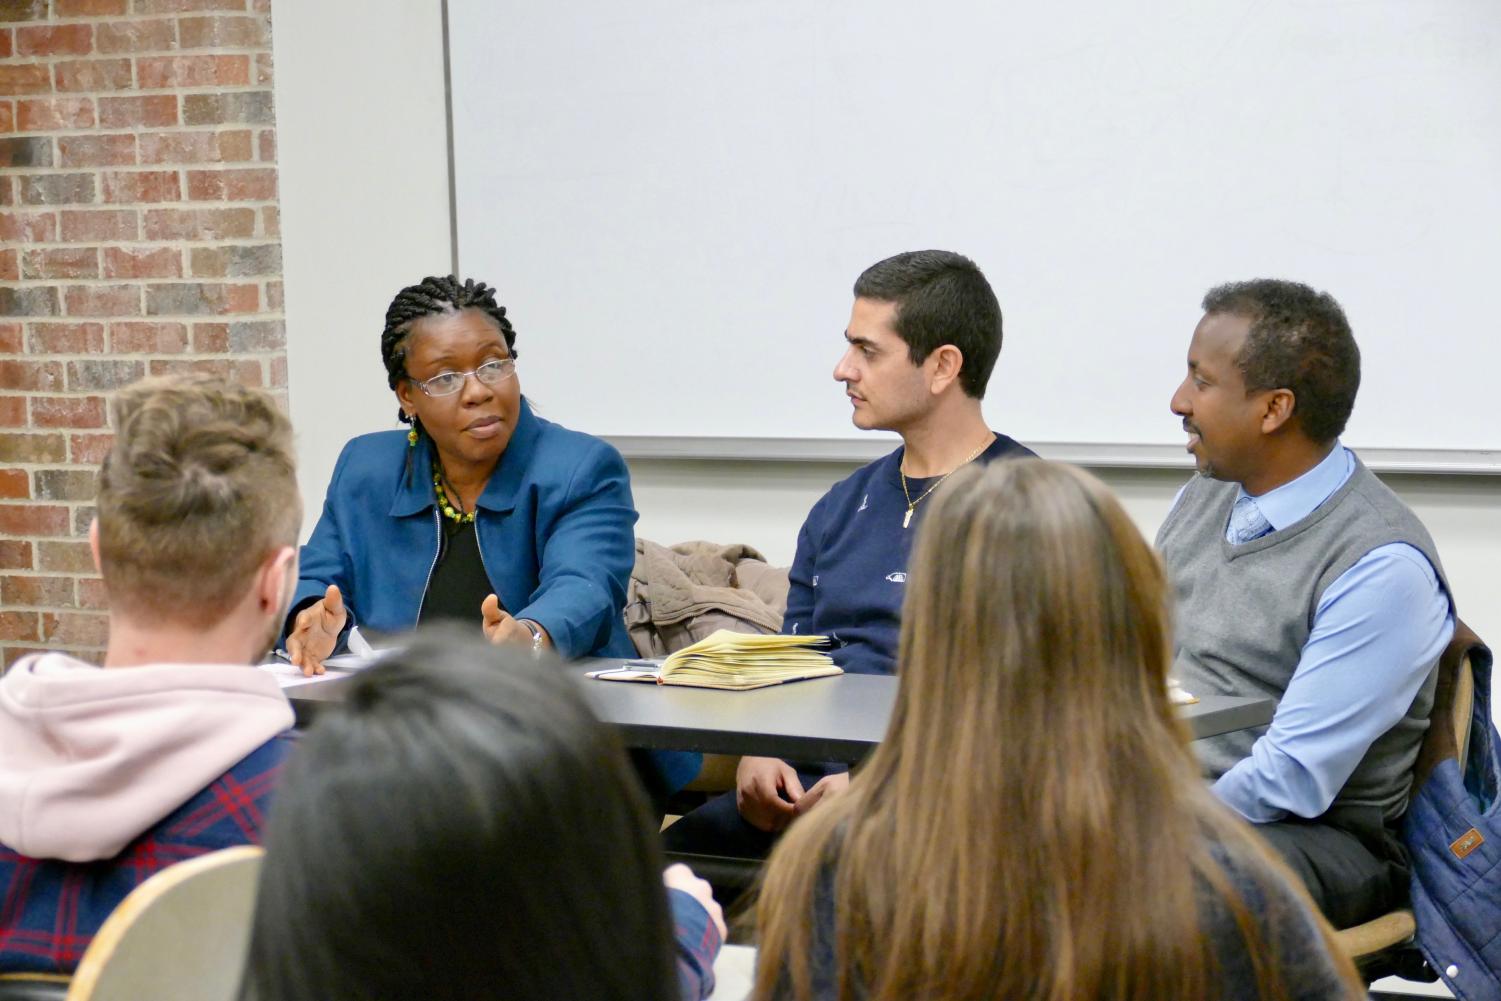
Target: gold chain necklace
{"x": 912, "y": 504}
{"x": 458, "y": 517}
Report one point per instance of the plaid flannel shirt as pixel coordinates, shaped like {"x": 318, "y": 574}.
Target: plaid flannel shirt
{"x": 50, "y": 910}
{"x": 698, "y": 941}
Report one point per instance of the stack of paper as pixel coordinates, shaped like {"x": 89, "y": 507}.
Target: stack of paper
{"x": 1178, "y": 695}
{"x": 733, "y": 660}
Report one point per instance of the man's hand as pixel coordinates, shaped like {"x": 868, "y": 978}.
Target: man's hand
{"x": 680, "y": 877}
{"x": 766, "y": 792}
{"x": 500, "y": 627}
{"x": 825, "y": 788}
{"x": 315, "y": 631}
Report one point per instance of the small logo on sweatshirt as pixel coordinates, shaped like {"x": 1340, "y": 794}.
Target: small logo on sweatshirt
{"x": 897, "y": 577}
{"x": 864, "y": 503}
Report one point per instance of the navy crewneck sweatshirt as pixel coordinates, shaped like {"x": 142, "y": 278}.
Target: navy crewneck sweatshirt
{"x": 850, "y": 571}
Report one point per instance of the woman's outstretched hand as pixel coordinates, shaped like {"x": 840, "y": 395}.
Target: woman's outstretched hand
{"x": 500, "y": 627}
{"x": 316, "y": 631}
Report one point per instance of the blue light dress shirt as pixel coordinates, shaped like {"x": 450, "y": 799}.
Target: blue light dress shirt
{"x": 1376, "y": 630}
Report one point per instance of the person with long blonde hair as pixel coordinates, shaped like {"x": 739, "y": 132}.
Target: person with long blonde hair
{"x": 1034, "y": 825}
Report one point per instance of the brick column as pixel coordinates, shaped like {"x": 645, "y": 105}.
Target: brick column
{"x": 138, "y": 235}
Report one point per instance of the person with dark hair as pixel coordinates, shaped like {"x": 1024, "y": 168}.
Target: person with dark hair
{"x": 172, "y": 749}
{"x": 1031, "y": 825}
{"x": 921, "y": 344}
{"x": 1301, "y": 576}
{"x": 460, "y": 828}
{"x": 481, "y": 513}
{"x": 430, "y": 524}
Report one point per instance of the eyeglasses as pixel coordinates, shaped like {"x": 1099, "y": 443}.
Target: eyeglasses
{"x": 491, "y": 373}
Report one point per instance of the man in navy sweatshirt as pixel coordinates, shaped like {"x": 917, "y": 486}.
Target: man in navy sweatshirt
{"x": 923, "y": 337}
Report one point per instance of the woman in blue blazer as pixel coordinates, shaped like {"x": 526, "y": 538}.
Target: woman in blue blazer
{"x": 483, "y": 512}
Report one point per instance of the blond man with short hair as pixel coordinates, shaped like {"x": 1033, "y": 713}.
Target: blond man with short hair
{"x": 171, "y": 749}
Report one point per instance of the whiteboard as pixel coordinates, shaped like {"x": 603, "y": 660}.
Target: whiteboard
{"x": 675, "y": 196}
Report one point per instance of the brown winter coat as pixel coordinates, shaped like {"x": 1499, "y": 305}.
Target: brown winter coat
{"x": 679, "y": 594}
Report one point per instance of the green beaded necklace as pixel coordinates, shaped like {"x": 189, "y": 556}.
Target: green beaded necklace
{"x": 456, "y": 516}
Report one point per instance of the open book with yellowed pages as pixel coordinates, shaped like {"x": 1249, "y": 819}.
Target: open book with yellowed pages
{"x": 735, "y": 661}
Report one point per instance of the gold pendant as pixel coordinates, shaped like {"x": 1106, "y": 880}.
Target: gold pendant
{"x": 907, "y": 518}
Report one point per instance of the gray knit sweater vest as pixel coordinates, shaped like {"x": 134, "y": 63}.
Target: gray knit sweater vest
{"x": 1245, "y": 612}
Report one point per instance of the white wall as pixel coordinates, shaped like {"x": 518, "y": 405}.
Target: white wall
{"x": 364, "y": 211}
{"x": 363, "y": 150}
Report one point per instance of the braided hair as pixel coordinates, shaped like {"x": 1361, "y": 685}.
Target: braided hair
{"x": 435, "y": 296}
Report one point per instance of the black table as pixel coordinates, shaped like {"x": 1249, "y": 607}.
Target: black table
{"x": 823, "y": 719}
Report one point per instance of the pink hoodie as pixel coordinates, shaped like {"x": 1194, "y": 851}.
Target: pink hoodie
{"x": 90, "y": 758}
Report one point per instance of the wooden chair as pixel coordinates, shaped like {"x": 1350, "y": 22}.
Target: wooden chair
{"x": 1384, "y": 946}
{"x": 33, "y": 987}
{"x": 716, "y": 775}
{"x": 180, "y": 936}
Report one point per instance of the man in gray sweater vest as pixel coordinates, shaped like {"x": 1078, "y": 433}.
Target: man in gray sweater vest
{"x": 1301, "y": 577}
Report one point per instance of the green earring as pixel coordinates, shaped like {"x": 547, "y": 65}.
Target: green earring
{"x": 412, "y": 438}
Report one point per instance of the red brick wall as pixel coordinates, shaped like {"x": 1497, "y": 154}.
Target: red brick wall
{"x": 138, "y": 235}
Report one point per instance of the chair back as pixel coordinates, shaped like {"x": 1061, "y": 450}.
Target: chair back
{"x": 1371, "y": 944}
{"x": 1462, "y": 709}
{"x": 1453, "y": 833}
{"x": 180, "y": 936}
{"x": 33, "y": 987}
{"x": 1453, "y": 706}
